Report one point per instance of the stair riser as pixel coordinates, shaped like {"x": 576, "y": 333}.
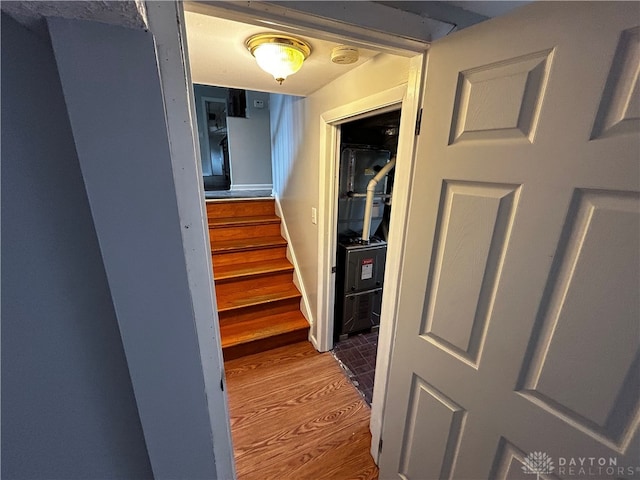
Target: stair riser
{"x": 259, "y": 311}
{"x": 231, "y": 258}
{"x": 240, "y": 208}
{"x": 262, "y": 345}
{"x": 244, "y": 231}
{"x": 257, "y": 281}
{"x": 221, "y": 281}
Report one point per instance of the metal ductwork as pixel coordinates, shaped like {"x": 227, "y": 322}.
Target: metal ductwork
{"x": 359, "y": 165}
{"x": 371, "y": 190}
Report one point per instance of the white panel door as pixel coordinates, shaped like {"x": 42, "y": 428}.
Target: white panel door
{"x": 518, "y": 318}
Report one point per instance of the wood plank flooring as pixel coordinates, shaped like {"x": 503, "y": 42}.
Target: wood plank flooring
{"x": 295, "y": 415}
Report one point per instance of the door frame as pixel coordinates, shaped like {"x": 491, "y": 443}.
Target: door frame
{"x": 205, "y": 121}
{"x": 167, "y": 25}
{"x": 407, "y": 97}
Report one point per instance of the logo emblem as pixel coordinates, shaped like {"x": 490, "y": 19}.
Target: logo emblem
{"x": 539, "y": 463}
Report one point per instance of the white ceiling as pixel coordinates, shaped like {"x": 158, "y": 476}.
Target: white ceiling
{"x": 218, "y": 56}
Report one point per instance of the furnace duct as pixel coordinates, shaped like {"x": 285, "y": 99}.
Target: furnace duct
{"x": 371, "y": 190}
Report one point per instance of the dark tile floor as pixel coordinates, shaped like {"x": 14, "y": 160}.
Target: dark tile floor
{"x": 357, "y": 356}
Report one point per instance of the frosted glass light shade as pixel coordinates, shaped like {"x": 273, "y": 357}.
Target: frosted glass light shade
{"x": 278, "y": 60}
{"x": 278, "y": 55}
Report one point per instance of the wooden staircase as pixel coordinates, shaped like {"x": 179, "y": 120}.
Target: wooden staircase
{"x": 258, "y": 304}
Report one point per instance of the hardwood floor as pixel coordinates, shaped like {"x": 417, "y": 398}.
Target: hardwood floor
{"x": 295, "y": 415}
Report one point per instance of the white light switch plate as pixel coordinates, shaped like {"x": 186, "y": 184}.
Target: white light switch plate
{"x": 314, "y": 215}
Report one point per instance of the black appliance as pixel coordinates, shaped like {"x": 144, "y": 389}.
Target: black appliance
{"x": 359, "y": 286}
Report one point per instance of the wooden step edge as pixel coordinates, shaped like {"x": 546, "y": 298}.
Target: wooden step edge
{"x": 263, "y": 328}
{"x": 255, "y": 301}
{"x": 254, "y": 273}
{"x": 239, "y": 199}
{"x": 250, "y": 244}
{"x": 265, "y": 344}
{"x": 227, "y": 222}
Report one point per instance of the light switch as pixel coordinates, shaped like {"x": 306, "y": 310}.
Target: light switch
{"x": 258, "y": 103}
{"x": 314, "y": 215}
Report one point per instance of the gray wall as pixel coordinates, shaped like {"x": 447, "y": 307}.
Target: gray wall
{"x": 68, "y": 409}
{"x": 125, "y": 158}
{"x": 249, "y": 138}
{"x": 250, "y": 144}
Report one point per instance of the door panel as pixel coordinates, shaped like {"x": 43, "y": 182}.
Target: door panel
{"x": 601, "y": 400}
{"x": 518, "y": 318}
{"x": 501, "y": 100}
{"x": 435, "y": 419}
{"x": 619, "y": 110}
{"x": 473, "y": 227}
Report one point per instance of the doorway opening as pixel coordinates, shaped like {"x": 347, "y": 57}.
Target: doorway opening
{"x": 215, "y": 161}
{"x": 368, "y": 148}
{"x": 335, "y": 102}
{"x": 234, "y": 136}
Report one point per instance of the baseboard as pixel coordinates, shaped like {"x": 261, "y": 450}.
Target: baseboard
{"x": 252, "y": 186}
{"x": 297, "y": 279}
{"x": 313, "y": 340}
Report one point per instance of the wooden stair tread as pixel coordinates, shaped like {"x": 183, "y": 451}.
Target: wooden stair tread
{"x": 249, "y": 269}
{"x": 241, "y": 221}
{"x": 262, "y": 328}
{"x": 231, "y": 298}
{"x": 226, "y": 208}
{"x": 258, "y": 303}
{"x": 246, "y": 244}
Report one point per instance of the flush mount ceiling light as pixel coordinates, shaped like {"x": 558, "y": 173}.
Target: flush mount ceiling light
{"x": 279, "y": 55}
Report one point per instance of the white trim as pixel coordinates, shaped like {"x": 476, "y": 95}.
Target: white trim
{"x": 386, "y": 38}
{"x": 291, "y": 256}
{"x": 252, "y": 186}
{"x": 166, "y": 21}
{"x": 328, "y": 201}
{"x": 397, "y": 238}
{"x": 408, "y": 96}
{"x": 313, "y": 341}
{"x": 370, "y": 17}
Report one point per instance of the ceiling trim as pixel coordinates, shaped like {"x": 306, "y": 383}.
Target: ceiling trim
{"x": 294, "y": 21}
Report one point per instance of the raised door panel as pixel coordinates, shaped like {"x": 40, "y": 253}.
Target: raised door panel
{"x": 473, "y": 230}
{"x": 584, "y": 363}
